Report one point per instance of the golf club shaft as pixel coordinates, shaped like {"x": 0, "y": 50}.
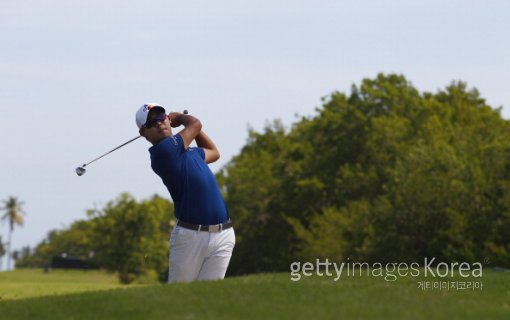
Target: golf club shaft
{"x": 86, "y": 164}
{"x": 111, "y": 150}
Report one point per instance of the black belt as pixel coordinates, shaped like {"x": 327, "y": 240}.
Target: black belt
{"x": 204, "y": 227}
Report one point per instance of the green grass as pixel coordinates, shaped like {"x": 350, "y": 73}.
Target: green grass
{"x": 267, "y": 296}
{"x": 29, "y": 283}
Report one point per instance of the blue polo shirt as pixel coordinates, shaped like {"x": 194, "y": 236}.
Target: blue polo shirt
{"x": 192, "y": 185}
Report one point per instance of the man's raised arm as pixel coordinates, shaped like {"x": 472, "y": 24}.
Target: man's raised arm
{"x": 211, "y": 151}
{"x": 192, "y": 126}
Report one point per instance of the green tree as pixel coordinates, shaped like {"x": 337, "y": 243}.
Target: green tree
{"x": 130, "y": 237}
{"x": 386, "y": 173}
{"x": 74, "y": 241}
{"x": 126, "y": 236}
{"x": 250, "y": 180}
{"x": 14, "y": 216}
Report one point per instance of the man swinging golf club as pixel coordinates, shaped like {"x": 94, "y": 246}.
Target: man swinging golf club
{"x": 203, "y": 239}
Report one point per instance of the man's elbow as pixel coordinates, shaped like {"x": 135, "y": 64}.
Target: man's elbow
{"x": 197, "y": 125}
{"x": 215, "y": 156}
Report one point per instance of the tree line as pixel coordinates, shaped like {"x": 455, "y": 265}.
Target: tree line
{"x": 383, "y": 174}
{"x": 126, "y": 236}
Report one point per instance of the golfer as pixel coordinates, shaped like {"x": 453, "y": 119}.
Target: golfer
{"x": 203, "y": 239}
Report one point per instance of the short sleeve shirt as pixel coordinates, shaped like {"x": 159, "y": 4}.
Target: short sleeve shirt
{"x": 190, "y": 181}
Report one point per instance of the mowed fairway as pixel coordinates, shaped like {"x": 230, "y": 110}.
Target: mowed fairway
{"x": 266, "y": 296}
{"x": 28, "y": 283}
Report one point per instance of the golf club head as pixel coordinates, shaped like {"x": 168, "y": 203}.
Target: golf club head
{"x": 80, "y": 171}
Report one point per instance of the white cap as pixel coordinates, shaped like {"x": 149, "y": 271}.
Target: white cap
{"x": 143, "y": 112}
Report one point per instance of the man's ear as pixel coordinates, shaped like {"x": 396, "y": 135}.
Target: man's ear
{"x": 142, "y": 132}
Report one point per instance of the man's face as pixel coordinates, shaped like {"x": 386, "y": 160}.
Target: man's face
{"x": 157, "y": 127}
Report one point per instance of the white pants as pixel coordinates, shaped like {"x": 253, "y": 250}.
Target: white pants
{"x": 199, "y": 255}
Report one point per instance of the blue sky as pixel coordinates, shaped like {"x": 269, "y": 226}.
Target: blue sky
{"x": 73, "y": 73}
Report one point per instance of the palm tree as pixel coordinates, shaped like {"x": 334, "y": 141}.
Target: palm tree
{"x": 14, "y": 215}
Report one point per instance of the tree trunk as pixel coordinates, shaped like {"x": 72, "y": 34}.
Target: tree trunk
{"x": 9, "y": 250}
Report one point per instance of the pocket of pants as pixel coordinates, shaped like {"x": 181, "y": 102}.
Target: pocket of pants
{"x": 181, "y": 235}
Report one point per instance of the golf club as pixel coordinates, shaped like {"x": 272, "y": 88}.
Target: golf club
{"x": 81, "y": 170}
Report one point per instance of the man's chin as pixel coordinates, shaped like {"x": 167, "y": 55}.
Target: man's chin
{"x": 165, "y": 132}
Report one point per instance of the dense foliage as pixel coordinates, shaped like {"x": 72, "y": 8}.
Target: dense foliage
{"x": 384, "y": 174}
{"x": 126, "y": 236}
